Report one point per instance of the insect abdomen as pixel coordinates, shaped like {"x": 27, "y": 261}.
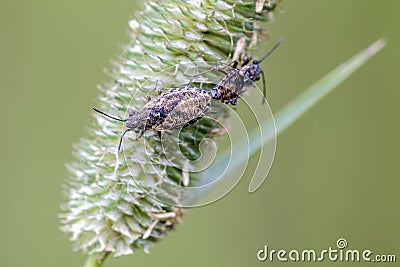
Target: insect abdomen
{"x": 178, "y": 107}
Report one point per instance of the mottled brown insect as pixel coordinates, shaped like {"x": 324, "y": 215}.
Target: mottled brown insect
{"x": 174, "y": 109}
{"x": 239, "y": 80}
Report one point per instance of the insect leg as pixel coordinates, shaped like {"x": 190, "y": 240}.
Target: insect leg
{"x": 155, "y": 88}
{"x": 246, "y": 59}
{"x": 201, "y": 73}
{"x": 140, "y": 133}
{"x": 159, "y": 90}
{"x": 235, "y": 64}
{"x": 221, "y": 70}
{"x": 217, "y": 68}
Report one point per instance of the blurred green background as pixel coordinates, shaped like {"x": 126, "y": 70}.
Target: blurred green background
{"x": 336, "y": 171}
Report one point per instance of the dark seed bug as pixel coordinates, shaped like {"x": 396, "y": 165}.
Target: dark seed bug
{"x": 174, "y": 109}
{"x": 239, "y": 80}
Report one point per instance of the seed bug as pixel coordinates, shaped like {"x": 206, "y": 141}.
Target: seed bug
{"x": 174, "y": 109}
{"x": 238, "y": 81}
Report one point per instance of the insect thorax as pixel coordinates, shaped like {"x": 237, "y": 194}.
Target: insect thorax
{"x": 137, "y": 120}
{"x": 254, "y": 71}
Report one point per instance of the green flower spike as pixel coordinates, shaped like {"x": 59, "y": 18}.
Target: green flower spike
{"x": 105, "y": 211}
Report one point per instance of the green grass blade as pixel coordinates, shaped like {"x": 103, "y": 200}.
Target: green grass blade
{"x": 297, "y": 107}
{"x": 291, "y": 112}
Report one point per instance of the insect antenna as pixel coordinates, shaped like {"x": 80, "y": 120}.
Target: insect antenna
{"x": 111, "y": 117}
{"x": 264, "y": 87}
{"x": 120, "y": 140}
{"x": 117, "y": 119}
{"x": 270, "y": 51}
